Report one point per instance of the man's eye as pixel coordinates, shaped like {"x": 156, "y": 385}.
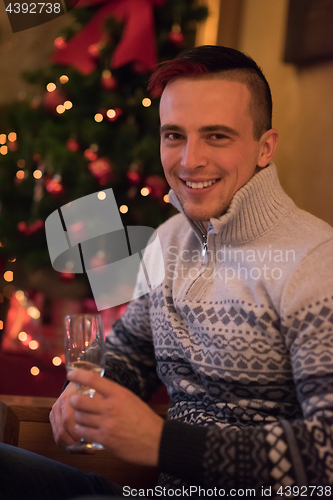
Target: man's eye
{"x": 173, "y": 136}
{"x": 219, "y": 136}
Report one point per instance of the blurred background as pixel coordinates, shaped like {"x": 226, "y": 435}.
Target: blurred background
{"x": 75, "y": 118}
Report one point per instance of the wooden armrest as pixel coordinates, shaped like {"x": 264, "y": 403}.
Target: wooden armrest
{"x": 24, "y": 422}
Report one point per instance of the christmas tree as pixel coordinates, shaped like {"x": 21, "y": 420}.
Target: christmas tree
{"x": 93, "y": 125}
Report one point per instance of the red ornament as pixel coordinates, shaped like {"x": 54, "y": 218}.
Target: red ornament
{"x": 90, "y": 154}
{"x": 175, "y": 36}
{"x": 108, "y": 81}
{"x": 37, "y": 225}
{"x": 28, "y": 229}
{"x": 72, "y": 145}
{"x": 22, "y": 226}
{"x": 133, "y": 177}
{"x": 67, "y": 277}
{"x": 102, "y": 170}
{"x": 157, "y": 186}
{"x": 55, "y": 188}
{"x": 60, "y": 42}
{"x": 53, "y": 99}
{"x": 94, "y": 50}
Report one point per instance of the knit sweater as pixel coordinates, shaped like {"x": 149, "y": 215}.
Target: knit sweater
{"x": 241, "y": 333}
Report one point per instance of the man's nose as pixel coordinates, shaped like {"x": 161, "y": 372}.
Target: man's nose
{"x": 193, "y": 154}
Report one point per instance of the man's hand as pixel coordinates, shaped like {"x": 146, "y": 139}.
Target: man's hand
{"x": 62, "y": 419}
{"x": 117, "y": 419}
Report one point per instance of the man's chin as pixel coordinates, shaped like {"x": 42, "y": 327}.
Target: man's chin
{"x": 199, "y": 214}
{"x": 203, "y": 218}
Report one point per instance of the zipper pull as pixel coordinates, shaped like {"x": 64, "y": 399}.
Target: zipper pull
{"x": 204, "y": 254}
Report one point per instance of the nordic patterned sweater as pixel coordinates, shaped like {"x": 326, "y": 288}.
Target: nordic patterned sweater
{"x": 241, "y": 333}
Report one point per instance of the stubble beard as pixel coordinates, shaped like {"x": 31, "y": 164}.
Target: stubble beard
{"x": 205, "y": 215}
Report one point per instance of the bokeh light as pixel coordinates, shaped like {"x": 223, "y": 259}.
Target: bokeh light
{"x": 35, "y": 371}
{"x": 123, "y": 209}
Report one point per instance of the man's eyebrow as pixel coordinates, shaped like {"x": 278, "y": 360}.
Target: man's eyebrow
{"x": 169, "y": 126}
{"x": 219, "y": 128}
{"x": 206, "y": 128}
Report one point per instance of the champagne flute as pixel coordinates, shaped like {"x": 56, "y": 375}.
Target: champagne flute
{"x": 84, "y": 350}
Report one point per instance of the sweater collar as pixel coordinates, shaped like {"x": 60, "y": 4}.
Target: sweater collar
{"x": 254, "y": 210}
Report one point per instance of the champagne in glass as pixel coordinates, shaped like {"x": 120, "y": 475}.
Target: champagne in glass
{"x": 84, "y": 350}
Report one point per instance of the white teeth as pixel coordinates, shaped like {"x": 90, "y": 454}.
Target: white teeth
{"x": 199, "y": 185}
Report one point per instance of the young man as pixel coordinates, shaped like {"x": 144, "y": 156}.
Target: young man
{"x": 241, "y": 329}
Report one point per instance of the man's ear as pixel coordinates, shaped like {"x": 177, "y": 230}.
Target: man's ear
{"x": 268, "y": 142}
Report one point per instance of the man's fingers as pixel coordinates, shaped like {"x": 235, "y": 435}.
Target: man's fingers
{"x": 88, "y": 434}
{"x": 61, "y": 436}
{"x": 83, "y": 403}
{"x": 102, "y": 385}
{"x": 86, "y": 420}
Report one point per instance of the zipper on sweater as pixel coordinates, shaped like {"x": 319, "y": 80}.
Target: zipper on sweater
{"x": 204, "y": 258}
{"x": 204, "y": 254}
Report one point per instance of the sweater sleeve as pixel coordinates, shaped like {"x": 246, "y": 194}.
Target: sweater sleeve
{"x": 285, "y": 453}
{"x": 130, "y": 358}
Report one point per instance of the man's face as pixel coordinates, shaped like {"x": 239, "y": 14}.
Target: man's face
{"x": 207, "y": 137}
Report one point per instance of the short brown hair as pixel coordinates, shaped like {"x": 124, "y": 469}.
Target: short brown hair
{"x": 213, "y": 61}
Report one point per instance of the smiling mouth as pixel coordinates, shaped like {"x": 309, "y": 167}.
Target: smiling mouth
{"x": 200, "y": 185}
